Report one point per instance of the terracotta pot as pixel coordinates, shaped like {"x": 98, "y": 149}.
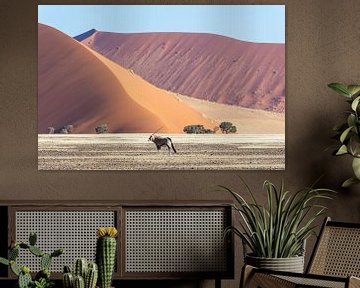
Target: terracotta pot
{"x": 291, "y": 264}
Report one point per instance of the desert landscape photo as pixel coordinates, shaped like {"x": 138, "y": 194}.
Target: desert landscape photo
{"x": 120, "y": 87}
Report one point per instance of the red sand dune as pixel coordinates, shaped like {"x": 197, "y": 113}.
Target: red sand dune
{"x": 205, "y": 66}
{"x": 80, "y": 87}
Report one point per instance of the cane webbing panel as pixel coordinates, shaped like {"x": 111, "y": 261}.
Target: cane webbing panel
{"x": 75, "y": 231}
{"x": 338, "y": 252}
{"x": 313, "y": 282}
{"x": 175, "y": 241}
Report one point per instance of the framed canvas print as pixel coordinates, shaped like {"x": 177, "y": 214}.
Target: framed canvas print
{"x": 161, "y": 87}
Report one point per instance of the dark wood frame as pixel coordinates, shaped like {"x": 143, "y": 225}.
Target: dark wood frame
{"x": 119, "y": 208}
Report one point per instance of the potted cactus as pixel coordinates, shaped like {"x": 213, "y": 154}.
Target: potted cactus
{"x": 84, "y": 275}
{"x": 42, "y": 278}
{"x": 106, "y": 254}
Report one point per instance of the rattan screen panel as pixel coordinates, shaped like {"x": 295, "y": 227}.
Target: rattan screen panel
{"x": 339, "y": 252}
{"x": 75, "y": 231}
{"x": 174, "y": 241}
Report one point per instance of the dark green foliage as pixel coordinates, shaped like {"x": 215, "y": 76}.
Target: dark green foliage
{"x": 44, "y": 273}
{"x": 24, "y": 246}
{"x": 233, "y": 129}
{"x": 32, "y": 239}
{"x": 348, "y": 132}
{"x": 24, "y": 280}
{"x": 79, "y": 282}
{"x": 42, "y": 283}
{"x": 279, "y": 228}
{"x": 87, "y": 272}
{"x": 227, "y": 127}
{"x": 57, "y": 252}
{"x": 105, "y": 258}
{"x": 13, "y": 253}
{"x": 45, "y": 261}
{"x": 101, "y": 129}
{"x": 42, "y": 278}
{"x": 14, "y": 268}
{"x": 80, "y": 268}
{"x": 91, "y": 276}
{"x": 36, "y": 251}
{"x": 68, "y": 280}
{"x": 67, "y": 269}
{"x": 197, "y": 129}
{"x": 4, "y": 261}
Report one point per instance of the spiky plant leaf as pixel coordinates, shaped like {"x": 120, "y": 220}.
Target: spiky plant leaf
{"x": 340, "y": 88}
{"x": 280, "y": 228}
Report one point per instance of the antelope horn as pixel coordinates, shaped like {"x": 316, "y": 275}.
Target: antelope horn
{"x": 157, "y": 130}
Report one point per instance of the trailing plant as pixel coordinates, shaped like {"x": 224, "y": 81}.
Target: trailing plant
{"x": 42, "y": 278}
{"x": 105, "y": 254}
{"x": 348, "y": 132}
{"x": 84, "y": 275}
{"x": 279, "y": 229}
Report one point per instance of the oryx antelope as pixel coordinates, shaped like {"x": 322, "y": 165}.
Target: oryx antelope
{"x": 162, "y": 141}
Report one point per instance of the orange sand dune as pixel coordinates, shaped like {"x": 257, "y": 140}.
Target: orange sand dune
{"x": 204, "y": 66}
{"x": 80, "y": 87}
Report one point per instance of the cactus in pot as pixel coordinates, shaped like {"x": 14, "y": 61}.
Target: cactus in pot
{"x": 85, "y": 275}
{"x": 106, "y": 254}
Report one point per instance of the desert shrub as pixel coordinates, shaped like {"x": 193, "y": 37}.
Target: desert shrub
{"x": 51, "y": 130}
{"x": 227, "y": 127}
{"x": 197, "y": 129}
{"x": 69, "y": 128}
{"x": 101, "y": 129}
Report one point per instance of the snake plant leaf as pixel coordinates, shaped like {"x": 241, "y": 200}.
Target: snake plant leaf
{"x": 349, "y": 182}
{"x": 356, "y": 167}
{"x": 353, "y": 89}
{"x": 345, "y": 134}
{"x": 341, "y": 89}
{"x": 342, "y": 150}
{"x": 355, "y": 103}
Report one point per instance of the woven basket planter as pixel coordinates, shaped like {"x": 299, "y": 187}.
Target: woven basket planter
{"x": 291, "y": 264}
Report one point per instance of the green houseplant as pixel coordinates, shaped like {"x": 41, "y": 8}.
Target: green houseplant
{"x": 42, "y": 278}
{"x": 348, "y": 132}
{"x": 275, "y": 233}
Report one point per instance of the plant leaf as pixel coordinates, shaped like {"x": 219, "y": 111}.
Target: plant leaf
{"x": 349, "y": 182}
{"x": 342, "y": 150}
{"x": 355, "y": 103}
{"x": 340, "y": 88}
{"x": 356, "y": 167}
{"x": 353, "y": 89}
{"x": 345, "y": 134}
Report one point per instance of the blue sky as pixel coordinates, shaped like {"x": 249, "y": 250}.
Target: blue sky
{"x": 255, "y": 23}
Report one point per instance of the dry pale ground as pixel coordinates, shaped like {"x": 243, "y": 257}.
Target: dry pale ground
{"x": 247, "y": 121}
{"x": 135, "y": 152}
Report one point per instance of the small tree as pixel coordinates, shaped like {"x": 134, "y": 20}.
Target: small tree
{"x": 227, "y": 127}
{"x": 101, "y": 129}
